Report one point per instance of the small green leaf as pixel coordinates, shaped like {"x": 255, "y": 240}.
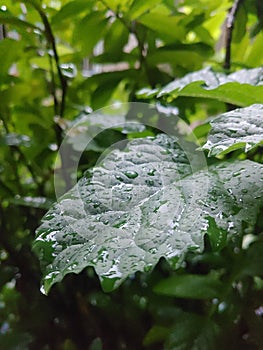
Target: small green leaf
{"x": 217, "y": 236}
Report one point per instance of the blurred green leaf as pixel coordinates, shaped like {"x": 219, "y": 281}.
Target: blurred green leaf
{"x": 10, "y": 51}
{"x": 190, "y": 286}
{"x": 89, "y": 31}
{"x": 138, "y": 8}
{"x": 155, "y": 335}
{"x": 192, "y": 332}
{"x": 165, "y": 26}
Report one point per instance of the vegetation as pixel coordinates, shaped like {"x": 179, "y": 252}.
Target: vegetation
{"x": 159, "y": 244}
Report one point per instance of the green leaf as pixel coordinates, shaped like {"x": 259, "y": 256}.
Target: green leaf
{"x": 164, "y": 25}
{"x": 241, "y": 88}
{"x": 115, "y": 39}
{"x": 190, "y": 286}
{"x": 7, "y": 18}
{"x": 253, "y": 261}
{"x": 192, "y": 332}
{"x": 89, "y": 31}
{"x": 10, "y": 51}
{"x": 241, "y": 128}
{"x": 156, "y": 334}
{"x": 138, "y": 8}
{"x": 70, "y": 10}
{"x": 83, "y": 134}
{"x": 139, "y": 205}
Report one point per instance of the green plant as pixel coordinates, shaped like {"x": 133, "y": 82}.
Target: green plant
{"x": 62, "y": 60}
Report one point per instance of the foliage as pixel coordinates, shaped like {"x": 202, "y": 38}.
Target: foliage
{"x": 62, "y": 60}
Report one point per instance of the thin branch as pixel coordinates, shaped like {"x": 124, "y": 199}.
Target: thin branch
{"x": 51, "y": 39}
{"x": 131, "y": 27}
{"x": 53, "y": 86}
{"x": 230, "y": 21}
{"x": 3, "y": 33}
{"x": 59, "y": 106}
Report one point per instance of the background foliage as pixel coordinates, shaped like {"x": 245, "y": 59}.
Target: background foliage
{"x": 59, "y": 61}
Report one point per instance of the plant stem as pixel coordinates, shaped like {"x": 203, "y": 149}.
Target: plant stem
{"x": 230, "y": 21}
{"x": 51, "y": 40}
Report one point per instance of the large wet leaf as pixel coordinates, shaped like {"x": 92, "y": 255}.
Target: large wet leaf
{"x": 241, "y": 88}
{"x": 141, "y": 204}
{"x": 241, "y": 128}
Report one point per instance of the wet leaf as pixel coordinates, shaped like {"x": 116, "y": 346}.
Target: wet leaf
{"x": 241, "y": 128}
{"x": 241, "y": 88}
{"x": 34, "y": 202}
{"x": 141, "y": 204}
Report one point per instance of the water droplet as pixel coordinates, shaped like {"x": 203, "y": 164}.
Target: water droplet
{"x": 118, "y": 177}
{"x": 151, "y": 172}
{"x": 149, "y": 182}
{"x": 229, "y": 190}
{"x": 237, "y": 173}
{"x": 131, "y": 174}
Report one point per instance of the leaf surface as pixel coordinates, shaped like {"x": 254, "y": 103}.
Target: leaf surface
{"x": 241, "y": 128}
{"x": 242, "y": 88}
{"x": 140, "y": 204}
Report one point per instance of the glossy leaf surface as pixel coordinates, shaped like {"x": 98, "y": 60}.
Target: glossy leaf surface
{"x": 141, "y": 204}
{"x": 241, "y": 128}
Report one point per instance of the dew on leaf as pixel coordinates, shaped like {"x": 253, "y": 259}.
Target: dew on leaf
{"x": 131, "y": 174}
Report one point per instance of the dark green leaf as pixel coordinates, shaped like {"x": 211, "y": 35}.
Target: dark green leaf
{"x": 155, "y": 335}
{"x": 190, "y": 286}
{"x": 192, "y": 332}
